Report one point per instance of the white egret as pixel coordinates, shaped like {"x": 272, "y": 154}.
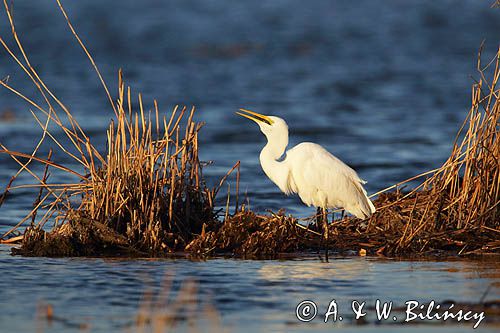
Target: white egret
{"x": 309, "y": 170}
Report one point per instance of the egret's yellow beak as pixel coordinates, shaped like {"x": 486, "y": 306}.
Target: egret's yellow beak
{"x": 255, "y": 116}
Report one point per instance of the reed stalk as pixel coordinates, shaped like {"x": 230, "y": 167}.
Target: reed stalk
{"x": 148, "y": 184}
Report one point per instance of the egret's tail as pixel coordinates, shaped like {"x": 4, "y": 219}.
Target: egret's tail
{"x": 364, "y": 208}
{"x": 372, "y": 207}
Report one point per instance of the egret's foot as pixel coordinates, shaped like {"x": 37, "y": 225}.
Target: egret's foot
{"x": 322, "y": 226}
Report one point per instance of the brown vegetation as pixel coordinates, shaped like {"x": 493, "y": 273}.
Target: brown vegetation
{"x": 147, "y": 189}
{"x": 458, "y": 206}
{"x": 146, "y": 195}
{"x": 456, "y": 210}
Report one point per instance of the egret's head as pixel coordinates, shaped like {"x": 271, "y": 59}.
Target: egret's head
{"x": 271, "y": 126}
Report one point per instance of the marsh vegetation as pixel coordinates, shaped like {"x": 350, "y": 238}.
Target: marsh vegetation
{"x": 145, "y": 194}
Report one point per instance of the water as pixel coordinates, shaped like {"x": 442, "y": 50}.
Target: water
{"x": 250, "y": 296}
{"x": 384, "y": 86}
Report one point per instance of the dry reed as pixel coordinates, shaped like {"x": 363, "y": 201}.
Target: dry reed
{"x": 455, "y": 210}
{"x": 458, "y": 206}
{"x": 146, "y": 193}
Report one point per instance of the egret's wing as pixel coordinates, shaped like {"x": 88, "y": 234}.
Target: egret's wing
{"x": 318, "y": 176}
{"x": 318, "y": 165}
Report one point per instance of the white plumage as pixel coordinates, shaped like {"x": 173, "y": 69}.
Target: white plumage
{"x": 319, "y": 178}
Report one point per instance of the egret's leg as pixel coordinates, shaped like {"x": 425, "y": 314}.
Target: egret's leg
{"x": 325, "y": 224}
{"x": 325, "y": 231}
{"x": 319, "y": 215}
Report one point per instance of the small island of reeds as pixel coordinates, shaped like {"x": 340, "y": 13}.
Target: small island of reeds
{"x": 145, "y": 193}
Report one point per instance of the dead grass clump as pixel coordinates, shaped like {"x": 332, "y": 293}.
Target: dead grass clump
{"x": 150, "y": 187}
{"x": 458, "y": 207}
{"x": 249, "y": 235}
{"x": 147, "y": 188}
{"x": 82, "y": 237}
{"x": 37, "y": 241}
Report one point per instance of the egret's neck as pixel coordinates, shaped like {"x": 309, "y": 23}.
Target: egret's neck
{"x": 269, "y": 156}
